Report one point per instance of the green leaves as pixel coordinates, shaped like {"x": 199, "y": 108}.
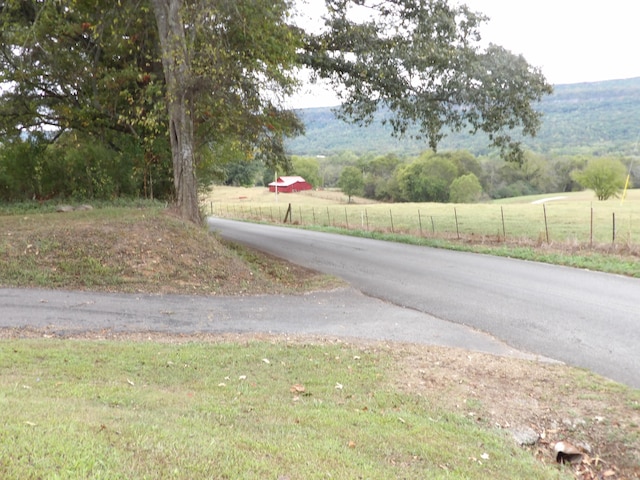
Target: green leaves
{"x": 422, "y": 60}
{"x": 351, "y": 182}
{"x": 605, "y": 176}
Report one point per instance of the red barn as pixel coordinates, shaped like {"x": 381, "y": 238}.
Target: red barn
{"x": 289, "y": 185}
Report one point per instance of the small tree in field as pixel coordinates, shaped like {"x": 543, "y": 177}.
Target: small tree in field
{"x": 605, "y": 176}
{"x": 351, "y": 182}
{"x": 465, "y": 189}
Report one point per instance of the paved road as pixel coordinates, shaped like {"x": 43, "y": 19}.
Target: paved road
{"x": 586, "y": 319}
{"x": 343, "y": 312}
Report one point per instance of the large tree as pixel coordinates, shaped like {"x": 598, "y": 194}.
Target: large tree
{"x": 198, "y": 73}
{"x": 222, "y": 68}
{"x": 226, "y": 63}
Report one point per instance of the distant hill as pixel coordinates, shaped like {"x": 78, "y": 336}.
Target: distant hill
{"x": 591, "y": 118}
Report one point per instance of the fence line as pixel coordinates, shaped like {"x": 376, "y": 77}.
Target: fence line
{"x": 540, "y": 223}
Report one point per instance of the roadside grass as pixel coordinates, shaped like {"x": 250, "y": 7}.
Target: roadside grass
{"x": 122, "y": 409}
{"x": 572, "y": 229}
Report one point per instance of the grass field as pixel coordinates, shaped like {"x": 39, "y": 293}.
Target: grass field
{"x": 572, "y": 217}
{"x": 132, "y": 410}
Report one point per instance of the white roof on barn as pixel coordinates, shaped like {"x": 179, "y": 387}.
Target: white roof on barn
{"x": 286, "y": 181}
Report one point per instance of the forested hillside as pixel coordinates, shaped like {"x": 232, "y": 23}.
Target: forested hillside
{"x": 586, "y": 118}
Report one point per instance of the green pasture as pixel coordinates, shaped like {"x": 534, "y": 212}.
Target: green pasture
{"x": 576, "y": 218}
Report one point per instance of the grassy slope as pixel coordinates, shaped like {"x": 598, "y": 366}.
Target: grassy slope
{"x": 135, "y": 250}
{"x": 79, "y": 410}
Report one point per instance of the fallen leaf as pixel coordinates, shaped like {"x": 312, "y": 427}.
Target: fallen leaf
{"x": 297, "y": 388}
{"x": 266, "y": 360}
{"x": 352, "y": 444}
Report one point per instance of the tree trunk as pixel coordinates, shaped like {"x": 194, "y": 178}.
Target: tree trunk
{"x": 177, "y": 74}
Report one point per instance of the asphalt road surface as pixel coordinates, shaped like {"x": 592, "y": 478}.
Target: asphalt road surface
{"x": 583, "y": 318}
{"x": 343, "y": 312}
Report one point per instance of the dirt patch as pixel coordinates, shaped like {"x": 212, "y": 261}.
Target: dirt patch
{"x": 550, "y": 402}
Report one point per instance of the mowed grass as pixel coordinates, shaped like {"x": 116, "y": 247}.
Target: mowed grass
{"x": 78, "y": 409}
{"x": 570, "y": 228}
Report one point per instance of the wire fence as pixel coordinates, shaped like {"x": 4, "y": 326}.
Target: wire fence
{"x": 542, "y": 223}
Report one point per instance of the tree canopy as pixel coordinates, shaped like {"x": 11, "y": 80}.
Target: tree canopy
{"x": 188, "y": 75}
{"x": 423, "y": 61}
{"x": 351, "y": 182}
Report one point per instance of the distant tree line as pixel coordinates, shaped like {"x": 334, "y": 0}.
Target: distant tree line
{"x": 460, "y": 177}
{"x": 78, "y": 166}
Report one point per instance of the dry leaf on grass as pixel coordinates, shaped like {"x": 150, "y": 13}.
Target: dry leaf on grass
{"x": 297, "y": 388}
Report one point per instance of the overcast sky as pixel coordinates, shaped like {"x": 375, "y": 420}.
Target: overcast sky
{"x": 572, "y": 41}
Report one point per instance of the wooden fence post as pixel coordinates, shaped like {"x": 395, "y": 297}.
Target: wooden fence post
{"x": 591, "y": 229}
{"x": 288, "y": 215}
{"x": 546, "y": 226}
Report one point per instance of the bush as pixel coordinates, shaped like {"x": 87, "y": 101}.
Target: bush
{"x": 465, "y": 189}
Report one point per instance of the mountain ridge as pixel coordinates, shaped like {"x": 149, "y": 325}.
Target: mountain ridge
{"x": 591, "y": 118}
